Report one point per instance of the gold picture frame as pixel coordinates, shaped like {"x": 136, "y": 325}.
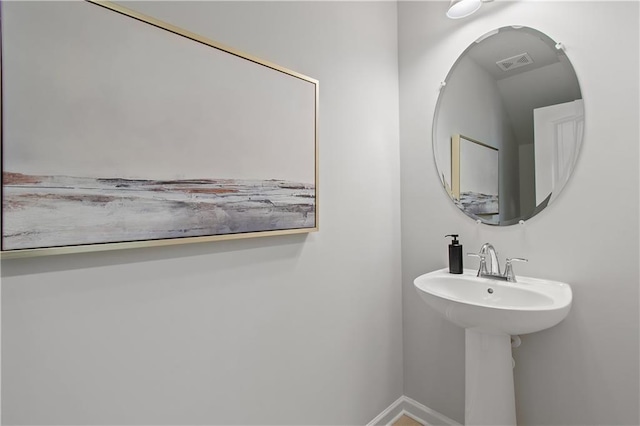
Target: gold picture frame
{"x": 167, "y": 175}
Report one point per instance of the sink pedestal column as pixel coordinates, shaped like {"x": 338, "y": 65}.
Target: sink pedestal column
{"x": 489, "y": 391}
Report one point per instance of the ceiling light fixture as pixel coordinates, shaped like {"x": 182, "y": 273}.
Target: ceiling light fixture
{"x": 463, "y": 8}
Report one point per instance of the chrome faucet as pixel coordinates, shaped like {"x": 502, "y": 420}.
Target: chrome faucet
{"x": 494, "y": 266}
{"x": 493, "y": 270}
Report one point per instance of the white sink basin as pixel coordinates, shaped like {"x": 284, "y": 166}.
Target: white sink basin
{"x": 492, "y": 306}
{"x": 491, "y": 311}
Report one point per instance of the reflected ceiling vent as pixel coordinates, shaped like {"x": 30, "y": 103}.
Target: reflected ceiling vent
{"x": 514, "y": 62}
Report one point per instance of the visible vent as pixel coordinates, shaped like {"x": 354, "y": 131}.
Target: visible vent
{"x": 514, "y": 62}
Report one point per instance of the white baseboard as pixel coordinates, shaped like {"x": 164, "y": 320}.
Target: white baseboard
{"x": 411, "y": 408}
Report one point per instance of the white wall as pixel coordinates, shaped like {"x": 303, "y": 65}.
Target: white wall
{"x": 281, "y": 330}
{"x": 585, "y": 370}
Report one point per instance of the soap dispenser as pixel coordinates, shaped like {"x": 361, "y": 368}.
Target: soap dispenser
{"x": 455, "y": 255}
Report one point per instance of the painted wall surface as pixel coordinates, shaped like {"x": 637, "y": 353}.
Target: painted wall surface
{"x": 280, "y": 330}
{"x": 584, "y": 371}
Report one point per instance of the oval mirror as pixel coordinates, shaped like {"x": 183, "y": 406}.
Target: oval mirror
{"x": 508, "y": 126}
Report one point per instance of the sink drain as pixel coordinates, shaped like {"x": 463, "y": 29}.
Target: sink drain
{"x": 490, "y": 290}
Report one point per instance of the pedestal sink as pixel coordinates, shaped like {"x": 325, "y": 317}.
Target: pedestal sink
{"x": 491, "y": 311}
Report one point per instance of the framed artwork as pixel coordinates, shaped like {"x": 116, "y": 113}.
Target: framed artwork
{"x": 121, "y": 131}
{"x": 475, "y": 178}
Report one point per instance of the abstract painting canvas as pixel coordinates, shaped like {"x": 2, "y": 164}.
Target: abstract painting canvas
{"x": 119, "y": 130}
{"x": 475, "y": 178}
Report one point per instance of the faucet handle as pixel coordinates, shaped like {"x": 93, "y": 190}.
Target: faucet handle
{"x": 508, "y": 269}
{"x": 481, "y": 256}
{"x": 482, "y": 270}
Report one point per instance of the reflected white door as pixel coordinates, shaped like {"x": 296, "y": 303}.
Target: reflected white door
{"x": 558, "y": 131}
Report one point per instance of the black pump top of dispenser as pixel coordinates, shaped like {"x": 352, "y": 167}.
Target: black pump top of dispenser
{"x": 455, "y": 239}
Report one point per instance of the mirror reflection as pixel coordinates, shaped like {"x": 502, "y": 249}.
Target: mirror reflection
{"x": 475, "y": 184}
{"x": 508, "y": 125}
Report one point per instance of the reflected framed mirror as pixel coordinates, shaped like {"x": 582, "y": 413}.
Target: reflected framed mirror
{"x": 508, "y": 126}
